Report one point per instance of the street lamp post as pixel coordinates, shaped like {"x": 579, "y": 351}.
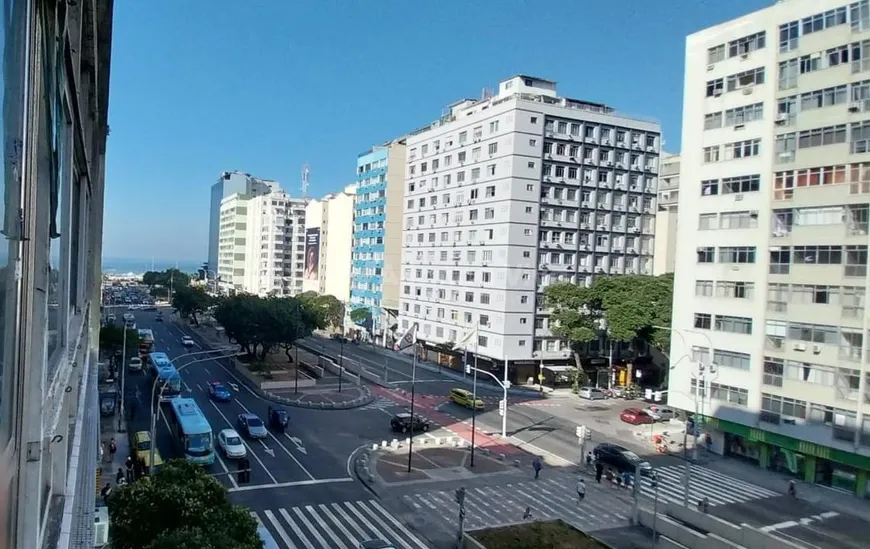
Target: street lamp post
{"x": 155, "y": 410}
{"x": 296, "y": 367}
{"x": 123, "y": 378}
{"x": 474, "y": 406}
{"x": 655, "y": 483}
{"x": 505, "y": 385}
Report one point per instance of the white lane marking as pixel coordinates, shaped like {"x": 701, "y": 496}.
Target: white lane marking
{"x": 226, "y": 470}
{"x": 278, "y": 442}
{"x": 206, "y": 370}
{"x": 291, "y": 484}
{"x": 199, "y": 387}
{"x": 298, "y": 443}
{"x": 336, "y": 542}
{"x": 268, "y": 450}
{"x": 281, "y": 532}
{"x": 296, "y": 529}
{"x": 398, "y": 524}
{"x": 250, "y": 450}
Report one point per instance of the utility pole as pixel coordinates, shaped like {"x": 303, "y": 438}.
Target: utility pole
{"x": 460, "y": 499}
{"x": 121, "y": 428}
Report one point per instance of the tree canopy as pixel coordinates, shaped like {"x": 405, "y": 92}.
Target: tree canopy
{"x": 179, "y": 507}
{"x": 362, "y": 317}
{"x": 173, "y": 277}
{"x": 259, "y": 325}
{"x": 190, "y": 301}
{"x": 628, "y": 306}
{"x": 112, "y": 338}
{"x": 327, "y": 309}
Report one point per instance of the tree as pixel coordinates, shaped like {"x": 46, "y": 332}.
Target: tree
{"x": 112, "y": 339}
{"x": 191, "y": 301}
{"x": 292, "y": 323}
{"x": 170, "y": 277}
{"x": 327, "y": 310}
{"x": 628, "y": 307}
{"x": 179, "y": 507}
{"x": 362, "y": 317}
{"x": 237, "y": 314}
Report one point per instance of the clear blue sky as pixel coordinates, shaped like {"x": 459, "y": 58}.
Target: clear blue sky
{"x": 203, "y": 86}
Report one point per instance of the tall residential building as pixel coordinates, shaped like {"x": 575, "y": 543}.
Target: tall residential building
{"x": 771, "y": 272}
{"x": 228, "y": 184}
{"x": 665, "y": 254}
{"x": 512, "y": 192}
{"x": 261, "y": 244}
{"x": 328, "y": 244}
{"x": 377, "y": 238}
{"x": 55, "y": 82}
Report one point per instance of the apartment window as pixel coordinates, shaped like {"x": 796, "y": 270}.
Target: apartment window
{"x": 475, "y": 154}
{"x": 742, "y": 149}
{"x": 493, "y": 126}
{"x": 741, "y": 184}
{"x": 822, "y": 21}
{"x": 735, "y": 290}
{"x": 706, "y": 221}
{"x": 737, "y": 254}
{"x": 703, "y": 321}
{"x": 711, "y": 154}
{"x": 704, "y": 288}
{"x": 713, "y": 120}
{"x": 492, "y": 148}
{"x": 778, "y": 406}
{"x": 726, "y": 393}
{"x": 710, "y": 187}
{"x": 715, "y": 87}
{"x": 743, "y": 115}
{"x": 745, "y": 79}
{"x": 747, "y": 44}
{"x": 813, "y": 333}
{"x": 715, "y": 54}
{"x": 818, "y": 255}
{"x": 733, "y": 324}
{"x": 788, "y": 74}
{"x": 780, "y": 260}
{"x": 738, "y": 220}
{"x": 814, "y": 294}
{"x": 859, "y": 137}
{"x": 788, "y": 36}
{"x": 490, "y": 191}
{"x": 490, "y": 170}
{"x": 785, "y": 145}
{"x": 827, "y": 97}
{"x": 706, "y": 254}
{"x": 819, "y": 137}
{"x": 774, "y": 368}
{"x": 484, "y": 299}
{"x": 482, "y": 341}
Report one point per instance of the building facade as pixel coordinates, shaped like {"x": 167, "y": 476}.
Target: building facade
{"x": 230, "y": 183}
{"x": 771, "y": 271}
{"x": 55, "y": 86}
{"x": 261, "y": 244}
{"x": 329, "y": 230}
{"x": 377, "y": 233}
{"x": 665, "y": 255}
{"x": 510, "y": 193}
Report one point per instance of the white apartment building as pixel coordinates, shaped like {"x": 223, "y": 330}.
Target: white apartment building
{"x": 665, "y": 255}
{"x": 331, "y": 218}
{"x": 261, "y": 244}
{"x": 771, "y": 268}
{"x": 509, "y": 193}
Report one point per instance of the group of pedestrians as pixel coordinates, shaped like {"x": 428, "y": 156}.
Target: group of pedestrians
{"x": 132, "y": 470}
{"x": 580, "y": 487}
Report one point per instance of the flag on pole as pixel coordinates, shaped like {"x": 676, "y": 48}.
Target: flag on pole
{"x": 467, "y": 339}
{"x": 408, "y": 338}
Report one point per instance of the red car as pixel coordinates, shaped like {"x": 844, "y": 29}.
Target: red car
{"x": 635, "y": 417}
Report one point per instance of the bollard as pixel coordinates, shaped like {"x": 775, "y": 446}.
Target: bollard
{"x": 501, "y": 457}
{"x": 516, "y": 463}
{"x": 384, "y": 444}
{"x": 375, "y": 446}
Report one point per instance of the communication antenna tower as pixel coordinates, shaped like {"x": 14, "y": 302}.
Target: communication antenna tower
{"x": 305, "y": 174}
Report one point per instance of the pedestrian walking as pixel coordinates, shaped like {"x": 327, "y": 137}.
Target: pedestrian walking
{"x": 106, "y": 492}
{"x": 128, "y": 464}
{"x": 120, "y": 476}
{"x": 538, "y": 465}
{"x": 581, "y": 490}
{"x": 599, "y": 470}
{"x": 113, "y": 449}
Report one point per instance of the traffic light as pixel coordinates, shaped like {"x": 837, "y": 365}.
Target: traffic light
{"x": 244, "y": 471}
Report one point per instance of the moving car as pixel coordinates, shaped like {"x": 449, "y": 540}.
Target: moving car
{"x": 279, "y": 419}
{"x": 187, "y": 341}
{"x": 464, "y": 398}
{"x": 128, "y": 317}
{"x": 591, "y": 393}
{"x": 402, "y": 422}
{"x": 252, "y": 426}
{"x": 141, "y": 449}
{"x": 621, "y": 459}
{"x": 135, "y": 364}
{"x": 661, "y": 413}
{"x": 636, "y": 417}
{"x": 231, "y": 444}
{"x": 218, "y": 391}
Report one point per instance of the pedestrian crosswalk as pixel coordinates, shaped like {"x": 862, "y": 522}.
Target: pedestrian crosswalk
{"x": 380, "y": 403}
{"x": 336, "y": 525}
{"x": 719, "y": 489}
{"x": 553, "y": 497}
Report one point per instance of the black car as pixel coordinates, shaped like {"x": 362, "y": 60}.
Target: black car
{"x": 621, "y": 459}
{"x": 402, "y": 422}
{"x": 279, "y": 420}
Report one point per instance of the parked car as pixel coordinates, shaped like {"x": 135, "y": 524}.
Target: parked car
{"x": 135, "y": 364}
{"x": 252, "y": 426}
{"x": 218, "y": 391}
{"x": 591, "y": 393}
{"x": 141, "y": 449}
{"x": 661, "y": 413}
{"x": 187, "y": 341}
{"x": 231, "y": 444}
{"x": 465, "y": 398}
{"x": 402, "y": 422}
{"x": 636, "y": 417}
{"x": 621, "y": 459}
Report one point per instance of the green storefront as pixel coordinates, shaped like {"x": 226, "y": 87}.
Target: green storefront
{"x": 807, "y": 461}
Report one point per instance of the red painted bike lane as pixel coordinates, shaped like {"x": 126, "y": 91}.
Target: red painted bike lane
{"x": 426, "y": 405}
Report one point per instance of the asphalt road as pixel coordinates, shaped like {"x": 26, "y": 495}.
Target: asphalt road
{"x": 308, "y": 463}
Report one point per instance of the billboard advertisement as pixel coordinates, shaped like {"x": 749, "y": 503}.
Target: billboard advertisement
{"x": 312, "y": 253}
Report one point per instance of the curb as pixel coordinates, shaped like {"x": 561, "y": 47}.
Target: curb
{"x": 366, "y": 398}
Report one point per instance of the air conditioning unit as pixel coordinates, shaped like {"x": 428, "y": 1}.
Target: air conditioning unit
{"x": 744, "y": 56}
{"x": 781, "y": 118}
{"x": 101, "y": 526}
{"x": 738, "y": 197}
{"x": 717, "y": 93}
{"x": 747, "y": 90}
{"x": 710, "y": 67}
{"x": 855, "y": 107}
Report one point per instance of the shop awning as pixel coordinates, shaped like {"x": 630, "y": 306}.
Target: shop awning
{"x": 558, "y": 368}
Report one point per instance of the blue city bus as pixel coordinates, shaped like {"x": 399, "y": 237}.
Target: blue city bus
{"x": 191, "y": 431}
{"x": 170, "y": 380}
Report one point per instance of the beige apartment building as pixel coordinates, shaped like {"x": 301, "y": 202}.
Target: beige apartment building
{"x": 329, "y": 244}
{"x": 665, "y": 254}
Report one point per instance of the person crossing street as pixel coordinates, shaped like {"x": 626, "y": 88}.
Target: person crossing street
{"x": 581, "y": 490}
{"x": 538, "y": 465}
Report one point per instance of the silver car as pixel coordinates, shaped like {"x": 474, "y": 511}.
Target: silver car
{"x": 252, "y": 426}
{"x": 231, "y": 444}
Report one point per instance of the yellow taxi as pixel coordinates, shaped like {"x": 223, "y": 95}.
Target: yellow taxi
{"x": 465, "y": 398}
{"x": 141, "y": 446}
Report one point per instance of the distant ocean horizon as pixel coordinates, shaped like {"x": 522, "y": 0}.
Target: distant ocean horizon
{"x": 123, "y": 265}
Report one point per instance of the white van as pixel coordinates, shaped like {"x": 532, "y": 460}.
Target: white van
{"x": 591, "y": 393}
